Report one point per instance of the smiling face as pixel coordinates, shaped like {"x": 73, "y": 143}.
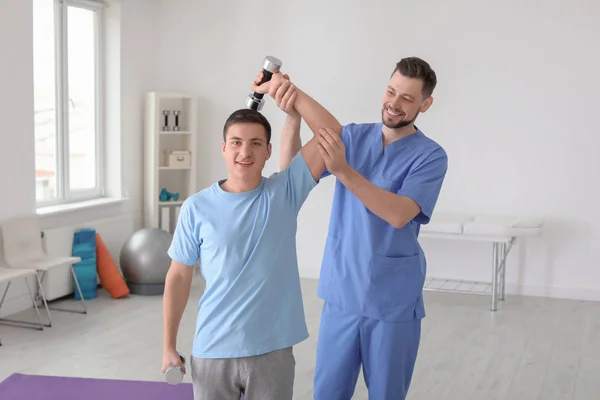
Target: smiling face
{"x": 246, "y": 150}
{"x": 403, "y": 101}
{"x": 408, "y": 93}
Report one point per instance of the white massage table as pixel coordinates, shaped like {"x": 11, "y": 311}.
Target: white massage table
{"x": 501, "y": 231}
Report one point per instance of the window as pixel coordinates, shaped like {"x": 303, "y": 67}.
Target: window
{"x": 67, "y": 100}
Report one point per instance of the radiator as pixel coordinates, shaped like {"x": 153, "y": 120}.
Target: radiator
{"x": 58, "y": 241}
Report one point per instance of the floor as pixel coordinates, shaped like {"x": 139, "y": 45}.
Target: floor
{"x": 532, "y": 348}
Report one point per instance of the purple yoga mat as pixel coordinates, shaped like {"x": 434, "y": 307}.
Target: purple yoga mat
{"x": 38, "y": 387}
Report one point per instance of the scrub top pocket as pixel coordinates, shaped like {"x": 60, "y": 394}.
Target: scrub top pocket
{"x": 395, "y": 282}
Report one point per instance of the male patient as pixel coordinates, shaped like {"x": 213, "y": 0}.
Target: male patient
{"x": 243, "y": 231}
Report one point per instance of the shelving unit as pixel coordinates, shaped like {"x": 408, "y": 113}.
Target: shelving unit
{"x": 175, "y": 173}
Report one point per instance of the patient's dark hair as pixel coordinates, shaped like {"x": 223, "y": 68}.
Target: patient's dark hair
{"x": 248, "y": 116}
{"x": 415, "y": 67}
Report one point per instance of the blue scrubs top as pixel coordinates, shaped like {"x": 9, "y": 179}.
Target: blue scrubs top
{"x": 369, "y": 267}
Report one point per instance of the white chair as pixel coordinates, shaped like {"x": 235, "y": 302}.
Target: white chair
{"x": 23, "y": 249}
{"x": 7, "y": 276}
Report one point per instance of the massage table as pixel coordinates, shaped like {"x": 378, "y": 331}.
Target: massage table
{"x": 501, "y": 231}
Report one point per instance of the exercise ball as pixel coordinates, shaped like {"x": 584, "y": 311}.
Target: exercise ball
{"x": 145, "y": 262}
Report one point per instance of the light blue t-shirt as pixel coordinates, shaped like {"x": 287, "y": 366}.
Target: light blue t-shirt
{"x": 369, "y": 267}
{"x": 246, "y": 244}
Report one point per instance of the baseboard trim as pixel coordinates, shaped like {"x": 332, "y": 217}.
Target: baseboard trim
{"x": 310, "y": 273}
{"x": 554, "y": 292}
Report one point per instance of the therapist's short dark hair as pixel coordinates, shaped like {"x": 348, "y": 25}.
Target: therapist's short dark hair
{"x": 415, "y": 67}
{"x": 247, "y": 115}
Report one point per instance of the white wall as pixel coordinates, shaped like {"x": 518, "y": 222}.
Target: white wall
{"x": 515, "y": 108}
{"x": 17, "y": 178}
{"x": 139, "y": 68}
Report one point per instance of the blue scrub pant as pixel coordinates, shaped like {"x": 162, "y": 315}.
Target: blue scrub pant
{"x": 386, "y": 350}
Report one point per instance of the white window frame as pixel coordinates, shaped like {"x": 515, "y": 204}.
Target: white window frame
{"x": 64, "y": 193}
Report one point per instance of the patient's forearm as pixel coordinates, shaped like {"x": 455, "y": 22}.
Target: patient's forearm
{"x": 290, "y": 140}
{"x": 315, "y": 115}
{"x": 176, "y": 294}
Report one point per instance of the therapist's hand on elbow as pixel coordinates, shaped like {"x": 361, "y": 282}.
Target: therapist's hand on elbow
{"x": 333, "y": 151}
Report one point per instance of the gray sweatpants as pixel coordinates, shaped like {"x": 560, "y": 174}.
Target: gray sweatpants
{"x": 264, "y": 377}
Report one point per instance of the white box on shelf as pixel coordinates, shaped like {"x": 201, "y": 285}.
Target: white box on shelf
{"x": 179, "y": 158}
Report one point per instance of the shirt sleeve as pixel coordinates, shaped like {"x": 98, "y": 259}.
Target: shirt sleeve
{"x": 298, "y": 181}
{"x": 423, "y": 184}
{"x": 185, "y": 246}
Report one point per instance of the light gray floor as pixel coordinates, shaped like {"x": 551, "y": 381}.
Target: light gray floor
{"x": 532, "y": 348}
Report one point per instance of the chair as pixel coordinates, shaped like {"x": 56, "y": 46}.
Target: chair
{"x": 7, "y": 276}
{"x": 22, "y": 244}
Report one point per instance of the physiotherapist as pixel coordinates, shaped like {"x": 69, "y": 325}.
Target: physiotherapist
{"x": 389, "y": 176}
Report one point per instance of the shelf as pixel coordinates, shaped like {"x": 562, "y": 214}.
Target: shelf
{"x": 159, "y": 142}
{"x": 174, "y": 133}
{"x": 173, "y": 168}
{"x": 170, "y": 203}
{"x": 457, "y": 286}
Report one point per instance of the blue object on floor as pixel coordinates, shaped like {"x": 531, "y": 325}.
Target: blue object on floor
{"x": 84, "y": 246}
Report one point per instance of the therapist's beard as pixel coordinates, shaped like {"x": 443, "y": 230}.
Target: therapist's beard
{"x": 400, "y": 124}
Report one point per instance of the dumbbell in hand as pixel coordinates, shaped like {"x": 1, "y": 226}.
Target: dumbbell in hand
{"x": 174, "y": 375}
{"x": 271, "y": 65}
